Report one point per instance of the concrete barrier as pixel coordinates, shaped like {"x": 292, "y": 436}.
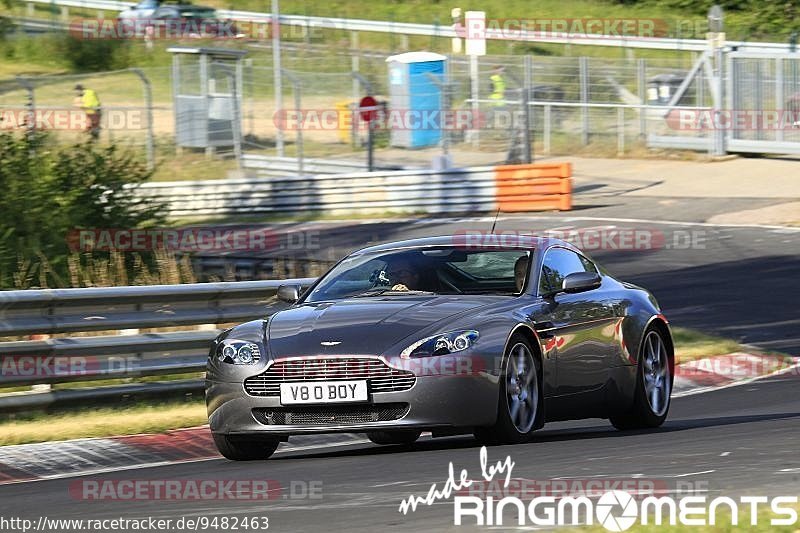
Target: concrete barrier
{"x": 511, "y": 188}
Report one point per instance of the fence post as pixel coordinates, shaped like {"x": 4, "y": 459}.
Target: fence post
{"x": 276, "y": 72}
{"x": 296, "y": 88}
{"x": 641, "y": 81}
{"x": 719, "y": 104}
{"x": 249, "y": 88}
{"x": 527, "y": 94}
{"x": 620, "y": 131}
{"x": 779, "y": 98}
{"x": 474, "y": 95}
{"x": 547, "y": 113}
{"x": 584, "y": 85}
{"x": 148, "y": 103}
{"x": 30, "y": 104}
{"x": 355, "y": 65}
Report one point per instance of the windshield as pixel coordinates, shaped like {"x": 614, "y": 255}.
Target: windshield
{"x": 438, "y": 270}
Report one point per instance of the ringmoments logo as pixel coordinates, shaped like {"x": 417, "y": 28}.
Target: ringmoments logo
{"x": 614, "y": 509}
{"x": 619, "y": 510}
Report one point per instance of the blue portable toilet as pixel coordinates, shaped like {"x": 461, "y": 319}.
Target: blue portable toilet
{"x": 415, "y": 99}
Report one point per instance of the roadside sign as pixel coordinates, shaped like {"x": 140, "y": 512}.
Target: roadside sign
{"x": 368, "y": 109}
{"x": 475, "y": 25}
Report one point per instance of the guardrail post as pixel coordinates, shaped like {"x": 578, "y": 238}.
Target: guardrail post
{"x": 30, "y": 9}
{"x": 64, "y": 14}
{"x": 583, "y": 63}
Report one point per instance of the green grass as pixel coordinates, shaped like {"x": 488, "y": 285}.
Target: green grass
{"x": 691, "y": 344}
{"x": 107, "y": 382}
{"x": 103, "y": 421}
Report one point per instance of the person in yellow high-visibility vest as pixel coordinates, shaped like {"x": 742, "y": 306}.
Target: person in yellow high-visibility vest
{"x": 90, "y": 103}
{"x": 498, "y": 84}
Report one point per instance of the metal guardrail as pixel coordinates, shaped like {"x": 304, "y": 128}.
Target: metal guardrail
{"x": 76, "y": 358}
{"x": 430, "y": 30}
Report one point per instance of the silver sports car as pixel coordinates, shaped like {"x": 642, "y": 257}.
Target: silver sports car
{"x": 445, "y": 335}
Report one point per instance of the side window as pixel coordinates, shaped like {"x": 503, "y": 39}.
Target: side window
{"x": 588, "y": 266}
{"x": 558, "y": 264}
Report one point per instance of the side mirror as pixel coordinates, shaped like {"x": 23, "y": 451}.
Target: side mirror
{"x": 289, "y": 293}
{"x": 580, "y": 282}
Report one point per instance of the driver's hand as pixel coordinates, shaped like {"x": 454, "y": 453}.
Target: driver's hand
{"x": 399, "y": 287}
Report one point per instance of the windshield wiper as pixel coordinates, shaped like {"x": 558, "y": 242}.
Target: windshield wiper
{"x": 384, "y": 290}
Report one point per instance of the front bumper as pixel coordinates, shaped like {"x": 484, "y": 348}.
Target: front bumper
{"x": 458, "y": 401}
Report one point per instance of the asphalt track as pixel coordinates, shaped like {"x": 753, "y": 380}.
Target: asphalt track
{"x": 736, "y": 441}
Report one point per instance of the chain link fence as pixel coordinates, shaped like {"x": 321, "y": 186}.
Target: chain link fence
{"x": 593, "y": 105}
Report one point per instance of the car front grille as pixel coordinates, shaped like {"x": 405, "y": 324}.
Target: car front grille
{"x": 324, "y": 415}
{"x": 380, "y": 376}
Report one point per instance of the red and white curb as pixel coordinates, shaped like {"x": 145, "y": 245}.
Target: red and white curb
{"x": 720, "y": 371}
{"x": 80, "y": 457}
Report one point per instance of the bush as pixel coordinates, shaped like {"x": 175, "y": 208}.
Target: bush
{"x": 94, "y": 55}
{"x": 49, "y": 190}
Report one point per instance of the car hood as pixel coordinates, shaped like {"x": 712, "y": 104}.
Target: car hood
{"x": 361, "y": 326}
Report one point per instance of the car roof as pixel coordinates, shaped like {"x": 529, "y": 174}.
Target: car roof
{"x": 473, "y": 241}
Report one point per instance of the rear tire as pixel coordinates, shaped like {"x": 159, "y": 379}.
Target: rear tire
{"x": 245, "y": 448}
{"x": 653, "y": 386}
{"x": 403, "y": 437}
{"x": 519, "y": 406}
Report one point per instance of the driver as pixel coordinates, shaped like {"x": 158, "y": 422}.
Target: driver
{"x": 520, "y": 270}
{"x": 402, "y": 275}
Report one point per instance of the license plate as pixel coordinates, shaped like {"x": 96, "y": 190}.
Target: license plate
{"x": 323, "y": 392}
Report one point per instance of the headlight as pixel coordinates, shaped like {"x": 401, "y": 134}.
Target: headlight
{"x": 442, "y": 344}
{"x": 238, "y": 352}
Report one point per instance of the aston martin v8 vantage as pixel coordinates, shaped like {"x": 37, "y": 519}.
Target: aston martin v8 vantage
{"x": 446, "y": 336}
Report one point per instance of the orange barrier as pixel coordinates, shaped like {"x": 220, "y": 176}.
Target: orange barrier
{"x": 534, "y": 187}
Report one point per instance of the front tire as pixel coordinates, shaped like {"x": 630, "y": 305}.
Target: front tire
{"x": 245, "y": 448}
{"x": 519, "y": 405}
{"x": 402, "y": 437}
{"x": 653, "y": 386}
